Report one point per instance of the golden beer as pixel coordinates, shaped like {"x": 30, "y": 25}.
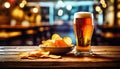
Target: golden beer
{"x": 83, "y": 29}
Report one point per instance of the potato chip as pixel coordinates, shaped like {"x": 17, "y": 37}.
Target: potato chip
{"x": 54, "y": 56}
{"x": 60, "y": 43}
{"x": 57, "y": 41}
{"x": 24, "y": 55}
{"x": 56, "y": 36}
{"x": 48, "y": 43}
{"x": 68, "y": 40}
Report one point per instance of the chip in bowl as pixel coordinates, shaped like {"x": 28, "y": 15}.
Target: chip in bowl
{"x": 57, "y": 44}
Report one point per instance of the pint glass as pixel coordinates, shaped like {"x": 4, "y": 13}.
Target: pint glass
{"x": 83, "y": 29}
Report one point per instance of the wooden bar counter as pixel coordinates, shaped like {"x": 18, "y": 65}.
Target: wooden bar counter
{"x": 104, "y": 56}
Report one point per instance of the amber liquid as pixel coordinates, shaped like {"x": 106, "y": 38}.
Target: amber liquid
{"x": 83, "y": 29}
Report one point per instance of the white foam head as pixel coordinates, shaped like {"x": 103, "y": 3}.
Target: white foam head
{"x": 82, "y": 15}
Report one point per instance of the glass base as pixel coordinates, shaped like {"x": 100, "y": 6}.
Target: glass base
{"x": 83, "y": 53}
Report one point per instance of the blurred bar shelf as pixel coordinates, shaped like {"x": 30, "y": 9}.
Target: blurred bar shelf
{"x": 106, "y": 28}
{"x": 110, "y": 34}
{"x": 24, "y": 31}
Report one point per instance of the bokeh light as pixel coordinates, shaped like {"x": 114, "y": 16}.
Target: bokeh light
{"x": 7, "y": 5}
{"x": 60, "y": 12}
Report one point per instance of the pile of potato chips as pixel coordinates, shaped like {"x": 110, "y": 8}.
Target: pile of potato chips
{"x": 57, "y": 41}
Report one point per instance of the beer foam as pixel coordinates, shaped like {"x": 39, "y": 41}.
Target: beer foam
{"x": 82, "y": 15}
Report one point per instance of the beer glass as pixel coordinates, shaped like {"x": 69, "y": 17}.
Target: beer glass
{"x": 83, "y": 30}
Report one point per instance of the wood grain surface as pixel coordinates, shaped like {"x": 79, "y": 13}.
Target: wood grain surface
{"x": 103, "y": 56}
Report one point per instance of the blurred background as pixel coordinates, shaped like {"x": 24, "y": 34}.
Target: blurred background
{"x": 28, "y": 22}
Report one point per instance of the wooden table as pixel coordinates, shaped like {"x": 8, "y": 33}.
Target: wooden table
{"x": 104, "y": 56}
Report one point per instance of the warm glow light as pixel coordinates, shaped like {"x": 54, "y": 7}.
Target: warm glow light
{"x": 118, "y": 6}
{"x": 13, "y": 22}
{"x": 102, "y": 1}
{"x": 17, "y": 13}
{"x": 97, "y": 8}
{"x": 118, "y": 22}
{"x": 118, "y": 14}
{"x": 25, "y": 23}
{"x": 24, "y": 2}
{"x": 100, "y": 11}
{"x": 86, "y": 59}
{"x": 7, "y": 5}
{"x": 69, "y": 7}
{"x": 111, "y": 8}
{"x": 21, "y": 5}
{"x": 108, "y": 34}
{"x": 112, "y": 1}
{"x": 104, "y": 5}
{"x": 35, "y": 10}
{"x": 60, "y": 12}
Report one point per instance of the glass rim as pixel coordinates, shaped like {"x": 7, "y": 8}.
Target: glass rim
{"x": 82, "y": 14}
